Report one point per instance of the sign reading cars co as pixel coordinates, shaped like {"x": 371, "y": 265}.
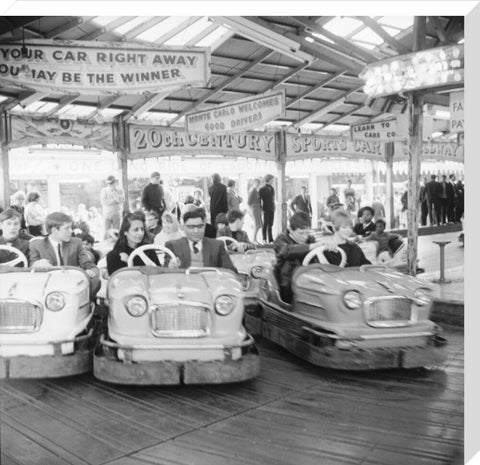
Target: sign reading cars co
{"x": 238, "y": 116}
{"x": 385, "y": 131}
{"x": 101, "y": 67}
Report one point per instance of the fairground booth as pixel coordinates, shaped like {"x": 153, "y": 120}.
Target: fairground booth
{"x": 315, "y": 101}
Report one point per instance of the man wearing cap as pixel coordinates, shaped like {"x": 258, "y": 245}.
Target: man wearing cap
{"x": 111, "y": 198}
{"x": 153, "y": 197}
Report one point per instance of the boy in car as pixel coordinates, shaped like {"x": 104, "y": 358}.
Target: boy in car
{"x": 234, "y": 230}
{"x": 366, "y": 225}
{"x": 290, "y": 250}
{"x": 10, "y": 223}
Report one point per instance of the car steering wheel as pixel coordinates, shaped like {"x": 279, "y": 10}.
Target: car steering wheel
{"x": 140, "y": 252}
{"x": 20, "y": 256}
{"x": 227, "y": 239}
{"x": 318, "y": 252}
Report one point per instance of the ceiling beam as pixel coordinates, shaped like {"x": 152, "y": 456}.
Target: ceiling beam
{"x": 201, "y": 35}
{"x": 62, "y": 103}
{"x": 24, "y": 96}
{"x": 224, "y": 84}
{"x": 375, "y": 27}
{"x": 74, "y": 22}
{"x": 104, "y": 103}
{"x": 437, "y": 26}
{"x": 321, "y": 84}
{"x": 340, "y": 100}
{"x": 107, "y": 28}
{"x": 365, "y": 55}
{"x": 145, "y": 104}
{"x": 173, "y": 32}
{"x": 136, "y": 31}
{"x": 287, "y": 76}
{"x": 340, "y": 117}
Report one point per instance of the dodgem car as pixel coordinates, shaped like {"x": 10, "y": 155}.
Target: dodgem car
{"x": 357, "y": 318}
{"x": 250, "y": 265}
{"x": 181, "y": 326}
{"x": 45, "y": 316}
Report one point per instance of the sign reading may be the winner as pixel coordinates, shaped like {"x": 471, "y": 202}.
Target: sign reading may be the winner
{"x": 102, "y": 68}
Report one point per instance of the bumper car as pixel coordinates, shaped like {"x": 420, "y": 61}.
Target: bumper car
{"x": 168, "y": 327}
{"x": 250, "y": 265}
{"x": 45, "y": 320}
{"x": 359, "y": 318}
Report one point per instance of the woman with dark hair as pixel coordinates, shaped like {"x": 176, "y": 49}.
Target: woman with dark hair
{"x": 131, "y": 235}
{"x": 35, "y": 215}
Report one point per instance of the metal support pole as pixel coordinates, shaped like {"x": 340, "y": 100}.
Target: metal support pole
{"x": 442, "y": 245}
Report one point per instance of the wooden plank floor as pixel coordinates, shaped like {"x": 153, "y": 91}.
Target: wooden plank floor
{"x": 293, "y": 413}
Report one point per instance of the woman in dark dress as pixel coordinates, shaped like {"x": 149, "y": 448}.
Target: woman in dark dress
{"x": 131, "y": 235}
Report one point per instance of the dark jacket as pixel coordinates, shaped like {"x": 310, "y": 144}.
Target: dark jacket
{"x": 114, "y": 262}
{"x": 213, "y": 252}
{"x": 299, "y": 204}
{"x": 432, "y": 190}
{"x": 355, "y": 255}
{"x": 360, "y": 230}
{"x": 289, "y": 256}
{"x": 153, "y": 197}
{"x": 21, "y": 244}
{"x": 218, "y": 200}
{"x": 267, "y": 197}
{"x": 239, "y": 236}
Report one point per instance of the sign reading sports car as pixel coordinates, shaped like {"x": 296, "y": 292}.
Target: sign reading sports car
{"x": 102, "y": 67}
{"x": 238, "y": 116}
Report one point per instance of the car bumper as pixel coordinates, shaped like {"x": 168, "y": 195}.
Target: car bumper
{"x": 51, "y": 366}
{"x": 108, "y": 367}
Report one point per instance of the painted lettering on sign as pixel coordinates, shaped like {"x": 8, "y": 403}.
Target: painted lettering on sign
{"x": 385, "y": 131}
{"x": 99, "y": 68}
{"x": 158, "y": 141}
{"x": 456, "y": 112}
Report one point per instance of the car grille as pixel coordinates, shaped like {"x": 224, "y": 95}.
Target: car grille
{"x": 18, "y": 316}
{"x": 180, "y": 320}
{"x": 245, "y": 280}
{"x": 389, "y": 312}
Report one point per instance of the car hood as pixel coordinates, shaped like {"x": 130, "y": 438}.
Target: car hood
{"x": 372, "y": 281}
{"x": 245, "y": 261}
{"x": 161, "y": 285}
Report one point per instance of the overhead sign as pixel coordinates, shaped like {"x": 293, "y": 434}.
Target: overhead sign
{"x": 238, "y": 116}
{"x": 313, "y": 146}
{"x": 102, "y": 68}
{"x": 448, "y": 151}
{"x": 156, "y": 141}
{"x": 28, "y": 131}
{"x": 385, "y": 131}
{"x": 435, "y": 67}
{"x": 456, "y": 112}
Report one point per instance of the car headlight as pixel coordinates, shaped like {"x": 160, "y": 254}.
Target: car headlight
{"x": 136, "y": 305}
{"x": 224, "y": 305}
{"x": 55, "y": 301}
{"x": 256, "y": 271}
{"x": 421, "y": 296}
{"x": 352, "y": 299}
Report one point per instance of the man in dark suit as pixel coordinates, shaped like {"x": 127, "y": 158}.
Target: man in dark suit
{"x": 218, "y": 198}
{"x": 59, "y": 248}
{"x": 432, "y": 191}
{"x": 423, "y": 203}
{"x": 195, "y": 249}
{"x": 153, "y": 196}
{"x": 10, "y": 224}
{"x": 267, "y": 200}
{"x": 301, "y": 203}
{"x": 451, "y": 195}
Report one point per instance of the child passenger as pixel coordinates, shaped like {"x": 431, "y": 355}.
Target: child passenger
{"x": 382, "y": 237}
{"x": 234, "y": 230}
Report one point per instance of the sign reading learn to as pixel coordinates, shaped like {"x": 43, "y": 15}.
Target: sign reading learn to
{"x": 102, "y": 68}
{"x": 385, "y": 131}
{"x": 239, "y": 116}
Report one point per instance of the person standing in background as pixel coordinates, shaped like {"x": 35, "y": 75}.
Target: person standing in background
{"x": 153, "y": 197}
{"x": 301, "y": 203}
{"x": 423, "y": 203}
{"x": 35, "y": 215}
{"x": 218, "y": 197}
{"x": 255, "y": 207}
{"x": 451, "y": 196}
{"x": 111, "y": 199}
{"x": 444, "y": 185}
{"x": 267, "y": 200}
{"x": 459, "y": 202}
{"x": 233, "y": 199}
{"x": 432, "y": 193}
{"x": 18, "y": 199}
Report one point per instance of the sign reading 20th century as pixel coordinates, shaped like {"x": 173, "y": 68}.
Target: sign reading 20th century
{"x": 102, "y": 68}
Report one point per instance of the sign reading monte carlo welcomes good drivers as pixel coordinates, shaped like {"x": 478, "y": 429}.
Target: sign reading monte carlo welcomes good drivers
{"x": 238, "y": 116}
{"x": 102, "y": 68}
{"x": 156, "y": 141}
